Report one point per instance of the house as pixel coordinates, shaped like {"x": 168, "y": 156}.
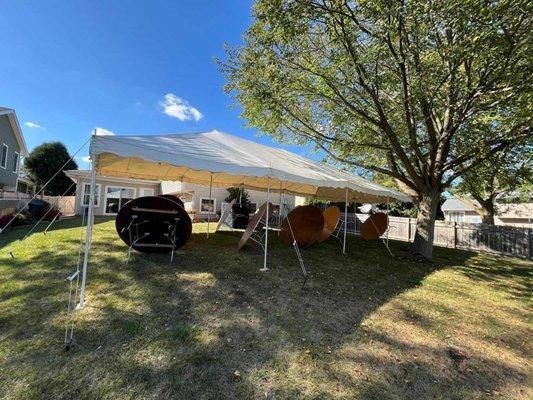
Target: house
{"x": 520, "y": 215}
{"x": 24, "y": 184}
{"x": 13, "y": 147}
{"x": 113, "y": 192}
{"x": 196, "y": 198}
{"x": 461, "y": 211}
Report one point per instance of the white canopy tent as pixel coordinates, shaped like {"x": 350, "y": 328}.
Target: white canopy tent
{"x": 222, "y": 160}
{"x": 230, "y": 161}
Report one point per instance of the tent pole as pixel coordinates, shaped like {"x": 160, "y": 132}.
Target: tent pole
{"x": 265, "y": 268}
{"x": 280, "y": 208}
{"x": 345, "y": 221}
{"x": 355, "y": 217}
{"x": 388, "y": 222}
{"x": 209, "y": 213}
{"x": 88, "y": 233}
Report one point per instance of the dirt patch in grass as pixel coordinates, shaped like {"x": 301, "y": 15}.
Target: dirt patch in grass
{"x": 365, "y": 326}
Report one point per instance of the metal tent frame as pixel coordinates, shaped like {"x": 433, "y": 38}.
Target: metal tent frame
{"x": 269, "y": 177}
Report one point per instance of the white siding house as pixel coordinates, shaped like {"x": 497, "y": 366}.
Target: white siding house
{"x": 196, "y": 198}
{"x": 519, "y": 215}
{"x": 112, "y": 193}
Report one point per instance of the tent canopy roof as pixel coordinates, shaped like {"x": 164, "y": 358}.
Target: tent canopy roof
{"x": 230, "y": 161}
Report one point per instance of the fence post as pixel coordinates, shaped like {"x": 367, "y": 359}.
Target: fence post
{"x": 529, "y": 244}
{"x": 455, "y": 234}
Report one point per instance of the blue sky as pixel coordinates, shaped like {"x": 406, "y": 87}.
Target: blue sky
{"x": 127, "y": 67}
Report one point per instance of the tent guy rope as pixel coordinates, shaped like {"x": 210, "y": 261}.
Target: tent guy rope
{"x": 45, "y": 185}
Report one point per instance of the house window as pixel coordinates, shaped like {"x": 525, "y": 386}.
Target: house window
{"x": 252, "y": 208}
{"x": 116, "y": 197}
{"x": 16, "y": 162}
{"x": 208, "y": 206}
{"x": 456, "y": 216}
{"x": 3, "y": 156}
{"x": 87, "y": 194}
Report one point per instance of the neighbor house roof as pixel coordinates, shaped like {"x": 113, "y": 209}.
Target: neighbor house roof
{"x": 225, "y": 160}
{"x": 455, "y": 204}
{"x": 13, "y": 120}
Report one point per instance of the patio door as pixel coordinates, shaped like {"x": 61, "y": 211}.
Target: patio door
{"x": 116, "y": 197}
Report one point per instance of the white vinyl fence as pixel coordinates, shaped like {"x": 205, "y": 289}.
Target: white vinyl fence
{"x": 11, "y": 202}
{"x": 505, "y": 240}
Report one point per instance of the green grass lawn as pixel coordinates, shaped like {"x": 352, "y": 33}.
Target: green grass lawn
{"x": 366, "y": 326}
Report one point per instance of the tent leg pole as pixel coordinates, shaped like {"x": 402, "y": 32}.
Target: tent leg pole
{"x": 280, "y": 209}
{"x": 265, "y": 268}
{"x": 88, "y": 234}
{"x": 209, "y": 213}
{"x": 387, "y": 231}
{"x": 354, "y": 217}
{"x": 388, "y": 222}
{"x": 345, "y": 221}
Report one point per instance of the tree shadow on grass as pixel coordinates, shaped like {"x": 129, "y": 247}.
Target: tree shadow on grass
{"x": 503, "y": 275}
{"x": 156, "y": 330}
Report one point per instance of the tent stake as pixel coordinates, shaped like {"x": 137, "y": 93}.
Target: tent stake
{"x": 209, "y": 212}
{"x": 345, "y": 221}
{"x": 265, "y": 268}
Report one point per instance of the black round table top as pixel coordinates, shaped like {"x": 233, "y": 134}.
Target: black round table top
{"x": 154, "y": 224}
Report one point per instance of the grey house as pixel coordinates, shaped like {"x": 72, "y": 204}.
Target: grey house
{"x": 12, "y": 148}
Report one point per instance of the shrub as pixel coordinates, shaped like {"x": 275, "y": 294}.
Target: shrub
{"x": 21, "y": 219}
{"x": 51, "y": 214}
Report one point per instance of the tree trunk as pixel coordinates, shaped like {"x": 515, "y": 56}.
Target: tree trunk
{"x": 487, "y": 208}
{"x": 488, "y": 218}
{"x": 425, "y": 224}
{"x": 490, "y": 210}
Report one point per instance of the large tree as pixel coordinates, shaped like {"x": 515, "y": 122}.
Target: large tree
{"x": 392, "y": 87}
{"x": 44, "y": 161}
{"x": 508, "y": 173}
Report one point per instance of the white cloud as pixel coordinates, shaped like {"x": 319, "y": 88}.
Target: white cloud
{"x": 179, "y": 108}
{"x": 84, "y": 159}
{"x": 30, "y": 124}
{"x": 102, "y": 131}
